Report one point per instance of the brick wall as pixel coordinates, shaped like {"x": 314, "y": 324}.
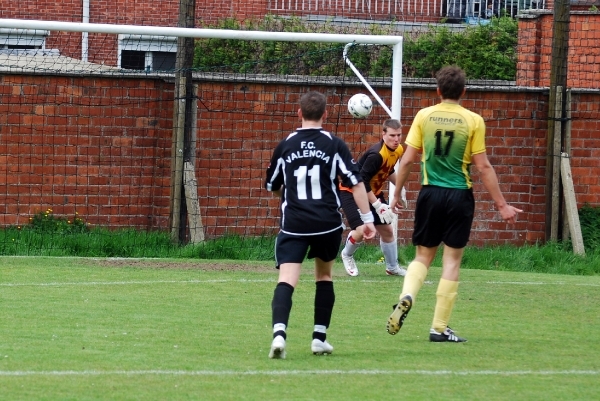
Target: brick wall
{"x": 534, "y": 49}
{"x": 139, "y": 12}
{"x": 101, "y": 147}
{"x": 164, "y": 13}
{"x": 83, "y": 145}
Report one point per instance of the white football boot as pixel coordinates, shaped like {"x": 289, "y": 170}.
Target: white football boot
{"x": 277, "y": 348}
{"x": 319, "y": 347}
{"x": 349, "y": 265}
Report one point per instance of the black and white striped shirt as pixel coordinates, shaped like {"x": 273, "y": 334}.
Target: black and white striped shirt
{"x": 307, "y": 165}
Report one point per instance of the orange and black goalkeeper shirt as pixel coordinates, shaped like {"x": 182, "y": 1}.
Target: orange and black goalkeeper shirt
{"x": 376, "y": 165}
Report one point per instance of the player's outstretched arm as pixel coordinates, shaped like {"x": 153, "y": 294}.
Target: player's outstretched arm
{"x": 392, "y": 179}
{"x": 490, "y": 182}
{"x": 406, "y": 164}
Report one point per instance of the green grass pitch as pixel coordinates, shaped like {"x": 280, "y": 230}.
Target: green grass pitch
{"x": 150, "y": 329}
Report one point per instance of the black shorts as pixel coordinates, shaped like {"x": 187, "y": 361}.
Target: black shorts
{"x": 351, "y": 210}
{"x": 443, "y": 215}
{"x": 292, "y": 248}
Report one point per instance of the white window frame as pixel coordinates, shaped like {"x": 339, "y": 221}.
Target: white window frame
{"x": 147, "y": 44}
{"x": 10, "y": 37}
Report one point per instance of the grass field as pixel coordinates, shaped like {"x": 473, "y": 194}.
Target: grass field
{"x": 148, "y": 329}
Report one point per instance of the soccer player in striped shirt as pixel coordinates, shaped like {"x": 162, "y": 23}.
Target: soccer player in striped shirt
{"x": 304, "y": 172}
{"x": 450, "y": 139}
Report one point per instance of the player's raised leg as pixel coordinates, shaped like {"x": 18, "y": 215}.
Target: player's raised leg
{"x": 347, "y": 254}
{"x": 355, "y": 237}
{"x": 415, "y": 277}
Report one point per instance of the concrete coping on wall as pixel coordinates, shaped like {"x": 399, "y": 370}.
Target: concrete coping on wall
{"x": 407, "y": 83}
{"x": 53, "y": 64}
{"x": 48, "y": 61}
{"x": 532, "y": 14}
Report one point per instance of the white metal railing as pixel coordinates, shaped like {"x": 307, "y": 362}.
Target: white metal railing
{"x": 478, "y": 9}
{"x": 464, "y": 10}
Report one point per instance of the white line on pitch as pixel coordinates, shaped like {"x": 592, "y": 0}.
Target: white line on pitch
{"x": 300, "y": 372}
{"x": 242, "y": 280}
{"x": 135, "y": 282}
{"x": 534, "y": 283}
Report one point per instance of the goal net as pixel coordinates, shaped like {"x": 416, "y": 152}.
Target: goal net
{"x": 99, "y": 140}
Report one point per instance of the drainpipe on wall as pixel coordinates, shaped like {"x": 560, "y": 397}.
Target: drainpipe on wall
{"x": 84, "y": 35}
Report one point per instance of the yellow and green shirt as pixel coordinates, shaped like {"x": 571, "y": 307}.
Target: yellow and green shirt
{"x": 447, "y": 135}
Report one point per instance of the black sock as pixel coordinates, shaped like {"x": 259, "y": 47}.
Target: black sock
{"x": 281, "y": 306}
{"x": 324, "y": 300}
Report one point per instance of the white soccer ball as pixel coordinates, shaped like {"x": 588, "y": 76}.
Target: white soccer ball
{"x": 360, "y": 105}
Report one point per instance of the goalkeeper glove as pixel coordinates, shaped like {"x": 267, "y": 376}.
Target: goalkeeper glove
{"x": 386, "y": 215}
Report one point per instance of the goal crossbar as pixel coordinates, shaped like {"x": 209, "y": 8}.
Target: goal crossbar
{"x": 200, "y": 33}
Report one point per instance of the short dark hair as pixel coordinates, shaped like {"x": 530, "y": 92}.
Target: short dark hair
{"x": 313, "y": 105}
{"x": 451, "y": 82}
{"x": 391, "y": 123}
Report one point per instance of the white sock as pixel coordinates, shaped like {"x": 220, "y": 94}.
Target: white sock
{"x": 351, "y": 246}
{"x": 390, "y": 254}
{"x": 278, "y": 327}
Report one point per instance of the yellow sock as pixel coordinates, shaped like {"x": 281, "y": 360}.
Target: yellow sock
{"x": 446, "y": 295}
{"x": 415, "y": 276}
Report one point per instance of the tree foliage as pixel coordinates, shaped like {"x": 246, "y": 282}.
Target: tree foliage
{"x": 483, "y": 51}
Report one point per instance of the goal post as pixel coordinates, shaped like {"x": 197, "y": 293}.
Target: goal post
{"x": 102, "y": 117}
{"x": 394, "y": 112}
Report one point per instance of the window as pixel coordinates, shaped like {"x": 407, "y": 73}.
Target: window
{"x": 132, "y": 60}
{"x": 163, "y": 61}
{"x": 22, "y": 39}
{"x": 148, "y": 53}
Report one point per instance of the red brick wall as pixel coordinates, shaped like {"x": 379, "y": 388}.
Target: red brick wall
{"x": 138, "y": 12}
{"x": 84, "y": 145}
{"x": 164, "y": 13}
{"x": 585, "y": 153}
{"x": 534, "y": 50}
{"x": 101, "y": 147}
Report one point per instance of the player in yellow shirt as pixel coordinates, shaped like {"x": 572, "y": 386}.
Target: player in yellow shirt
{"x": 450, "y": 139}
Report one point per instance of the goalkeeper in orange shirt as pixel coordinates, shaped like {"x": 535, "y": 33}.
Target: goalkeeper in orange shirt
{"x": 376, "y": 168}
